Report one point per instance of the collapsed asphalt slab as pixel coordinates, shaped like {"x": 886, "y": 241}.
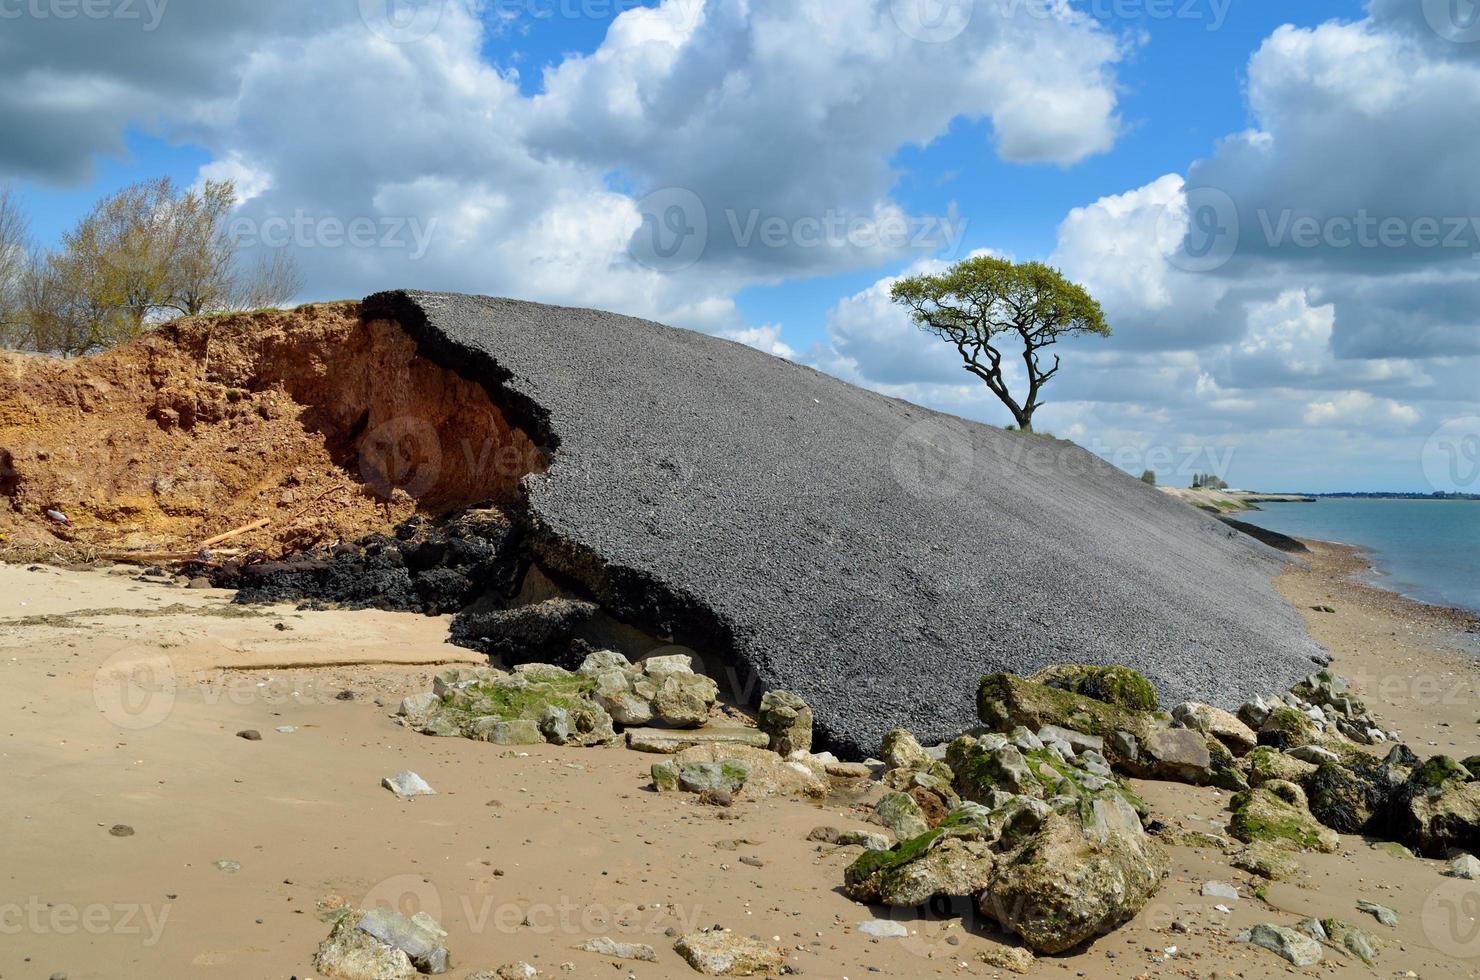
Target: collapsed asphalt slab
{"x": 872, "y": 556}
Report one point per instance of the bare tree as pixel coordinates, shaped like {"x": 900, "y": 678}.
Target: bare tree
{"x": 273, "y": 281}
{"x": 980, "y": 300}
{"x": 14, "y": 256}
{"x": 202, "y": 263}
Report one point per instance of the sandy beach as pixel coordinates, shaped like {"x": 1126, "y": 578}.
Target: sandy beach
{"x": 124, "y": 700}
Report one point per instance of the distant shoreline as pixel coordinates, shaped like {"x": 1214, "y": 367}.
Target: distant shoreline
{"x": 1351, "y": 495}
{"x": 1358, "y": 565}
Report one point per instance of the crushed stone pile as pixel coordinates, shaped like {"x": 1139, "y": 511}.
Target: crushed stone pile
{"x": 869, "y": 555}
{"x": 795, "y": 532}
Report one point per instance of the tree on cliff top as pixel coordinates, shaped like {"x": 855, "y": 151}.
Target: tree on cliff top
{"x": 980, "y": 302}
{"x": 143, "y": 254}
{"x": 14, "y": 248}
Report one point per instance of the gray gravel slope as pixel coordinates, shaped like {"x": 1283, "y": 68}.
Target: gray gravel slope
{"x": 874, "y": 557}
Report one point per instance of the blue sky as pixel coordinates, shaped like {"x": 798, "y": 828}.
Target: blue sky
{"x": 517, "y": 147}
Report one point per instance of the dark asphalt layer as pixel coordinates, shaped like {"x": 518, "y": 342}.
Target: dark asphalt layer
{"x": 875, "y": 557}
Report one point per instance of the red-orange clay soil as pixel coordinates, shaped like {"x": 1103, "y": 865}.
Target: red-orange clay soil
{"x": 325, "y": 426}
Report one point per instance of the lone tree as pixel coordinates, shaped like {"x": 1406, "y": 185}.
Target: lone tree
{"x": 977, "y": 303}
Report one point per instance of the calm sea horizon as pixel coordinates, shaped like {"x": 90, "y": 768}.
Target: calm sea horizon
{"x": 1425, "y": 549}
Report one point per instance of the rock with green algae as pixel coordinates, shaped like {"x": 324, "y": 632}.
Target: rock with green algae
{"x": 988, "y": 768}
{"x": 728, "y": 775}
{"x": 769, "y": 774}
{"x": 1438, "y": 809}
{"x": 982, "y": 766}
{"x": 1005, "y": 701}
{"x": 901, "y": 750}
{"x": 1350, "y": 799}
{"x": 1135, "y": 742}
{"x": 535, "y": 704}
{"x": 1053, "y": 873}
{"x": 1276, "y": 863}
{"x": 1289, "y": 728}
{"x": 907, "y": 766}
{"x": 876, "y": 873}
{"x": 902, "y": 815}
{"x": 1277, "y": 813}
{"x": 1224, "y": 770}
{"x": 1266, "y": 763}
{"x": 1079, "y": 876}
{"x": 1391, "y": 849}
{"x": 1114, "y": 685}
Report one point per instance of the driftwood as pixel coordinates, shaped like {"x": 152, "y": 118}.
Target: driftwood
{"x": 152, "y": 557}
{"x": 236, "y": 532}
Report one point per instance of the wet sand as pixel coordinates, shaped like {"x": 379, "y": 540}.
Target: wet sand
{"x": 524, "y": 854}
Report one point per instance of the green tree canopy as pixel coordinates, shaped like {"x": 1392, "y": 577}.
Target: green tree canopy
{"x": 141, "y": 255}
{"x": 980, "y": 302}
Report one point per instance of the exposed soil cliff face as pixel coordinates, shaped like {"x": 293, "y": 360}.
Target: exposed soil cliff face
{"x": 328, "y": 426}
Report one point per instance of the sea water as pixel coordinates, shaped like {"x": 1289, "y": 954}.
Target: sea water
{"x": 1426, "y": 549}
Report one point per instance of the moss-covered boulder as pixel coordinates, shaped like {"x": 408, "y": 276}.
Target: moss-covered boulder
{"x": 768, "y": 776}
{"x": 1225, "y": 771}
{"x": 1349, "y": 798}
{"x": 1277, "y": 813}
{"x": 902, "y": 815}
{"x": 990, "y": 765}
{"x": 1139, "y": 743}
{"x": 1265, "y": 764}
{"x": 1289, "y": 728}
{"x": 900, "y": 750}
{"x": 535, "y": 704}
{"x": 1275, "y": 862}
{"x": 1115, "y": 685}
{"x": 877, "y": 873}
{"x": 1005, "y": 701}
{"x": 1077, "y": 877}
{"x": 1437, "y": 809}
